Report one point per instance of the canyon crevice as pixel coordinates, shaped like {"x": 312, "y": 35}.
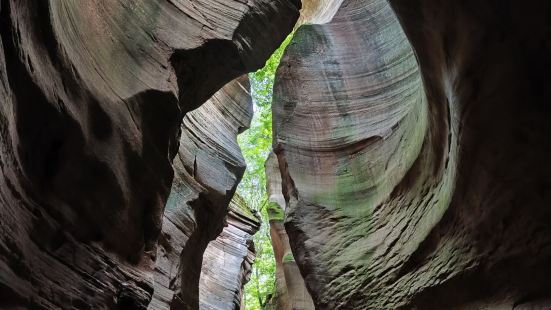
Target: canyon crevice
{"x": 409, "y": 167}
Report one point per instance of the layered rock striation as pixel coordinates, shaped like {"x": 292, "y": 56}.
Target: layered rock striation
{"x": 411, "y": 139}
{"x": 228, "y": 260}
{"x": 92, "y": 98}
{"x": 414, "y": 174}
{"x": 208, "y": 167}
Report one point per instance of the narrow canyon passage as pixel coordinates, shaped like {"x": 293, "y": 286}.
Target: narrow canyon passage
{"x": 275, "y": 154}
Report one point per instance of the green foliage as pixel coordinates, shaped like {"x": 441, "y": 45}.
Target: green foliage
{"x": 262, "y": 81}
{"x": 256, "y": 144}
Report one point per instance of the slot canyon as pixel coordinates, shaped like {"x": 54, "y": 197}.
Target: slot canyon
{"x": 407, "y": 166}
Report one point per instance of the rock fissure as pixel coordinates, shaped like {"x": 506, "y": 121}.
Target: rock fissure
{"x": 409, "y": 165}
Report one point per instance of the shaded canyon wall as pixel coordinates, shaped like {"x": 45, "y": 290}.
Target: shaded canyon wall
{"x": 414, "y": 161}
{"x": 93, "y": 94}
{"x": 412, "y": 144}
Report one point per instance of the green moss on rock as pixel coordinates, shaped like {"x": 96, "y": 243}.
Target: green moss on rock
{"x": 275, "y": 212}
{"x": 288, "y": 257}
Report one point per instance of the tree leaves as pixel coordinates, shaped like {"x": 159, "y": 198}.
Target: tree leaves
{"x": 256, "y": 144}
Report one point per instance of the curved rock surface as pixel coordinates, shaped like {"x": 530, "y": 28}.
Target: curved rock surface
{"x": 228, "y": 260}
{"x": 92, "y": 96}
{"x": 416, "y": 178}
{"x": 411, "y": 139}
{"x": 208, "y": 168}
{"x": 318, "y": 11}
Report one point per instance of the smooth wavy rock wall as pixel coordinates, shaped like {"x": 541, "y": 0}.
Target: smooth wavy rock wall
{"x": 416, "y": 175}
{"x": 92, "y": 98}
{"x": 208, "y": 167}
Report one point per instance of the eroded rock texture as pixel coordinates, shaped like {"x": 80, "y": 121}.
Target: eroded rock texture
{"x": 228, "y": 260}
{"x": 208, "y": 168}
{"x": 419, "y": 184}
{"x": 290, "y": 290}
{"x": 92, "y": 96}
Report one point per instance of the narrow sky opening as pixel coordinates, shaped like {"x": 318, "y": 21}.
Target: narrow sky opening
{"x": 256, "y": 144}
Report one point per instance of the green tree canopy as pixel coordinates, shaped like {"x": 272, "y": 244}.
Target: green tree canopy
{"x": 256, "y": 144}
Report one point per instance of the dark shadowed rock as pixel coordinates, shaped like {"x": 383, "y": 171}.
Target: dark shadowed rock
{"x": 92, "y": 98}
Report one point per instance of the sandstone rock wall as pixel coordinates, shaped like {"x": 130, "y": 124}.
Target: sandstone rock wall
{"x": 92, "y": 96}
{"x": 208, "y": 168}
{"x": 318, "y": 11}
{"x": 412, "y": 139}
{"x": 487, "y": 63}
{"x": 415, "y": 174}
{"x": 228, "y": 260}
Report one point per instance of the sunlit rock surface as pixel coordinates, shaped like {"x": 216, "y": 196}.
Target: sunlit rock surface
{"x": 92, "y": 97}
{"x": 318, "y": 11}
{"x": 419, "y": 185}
{"x": 290, "y": 290}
